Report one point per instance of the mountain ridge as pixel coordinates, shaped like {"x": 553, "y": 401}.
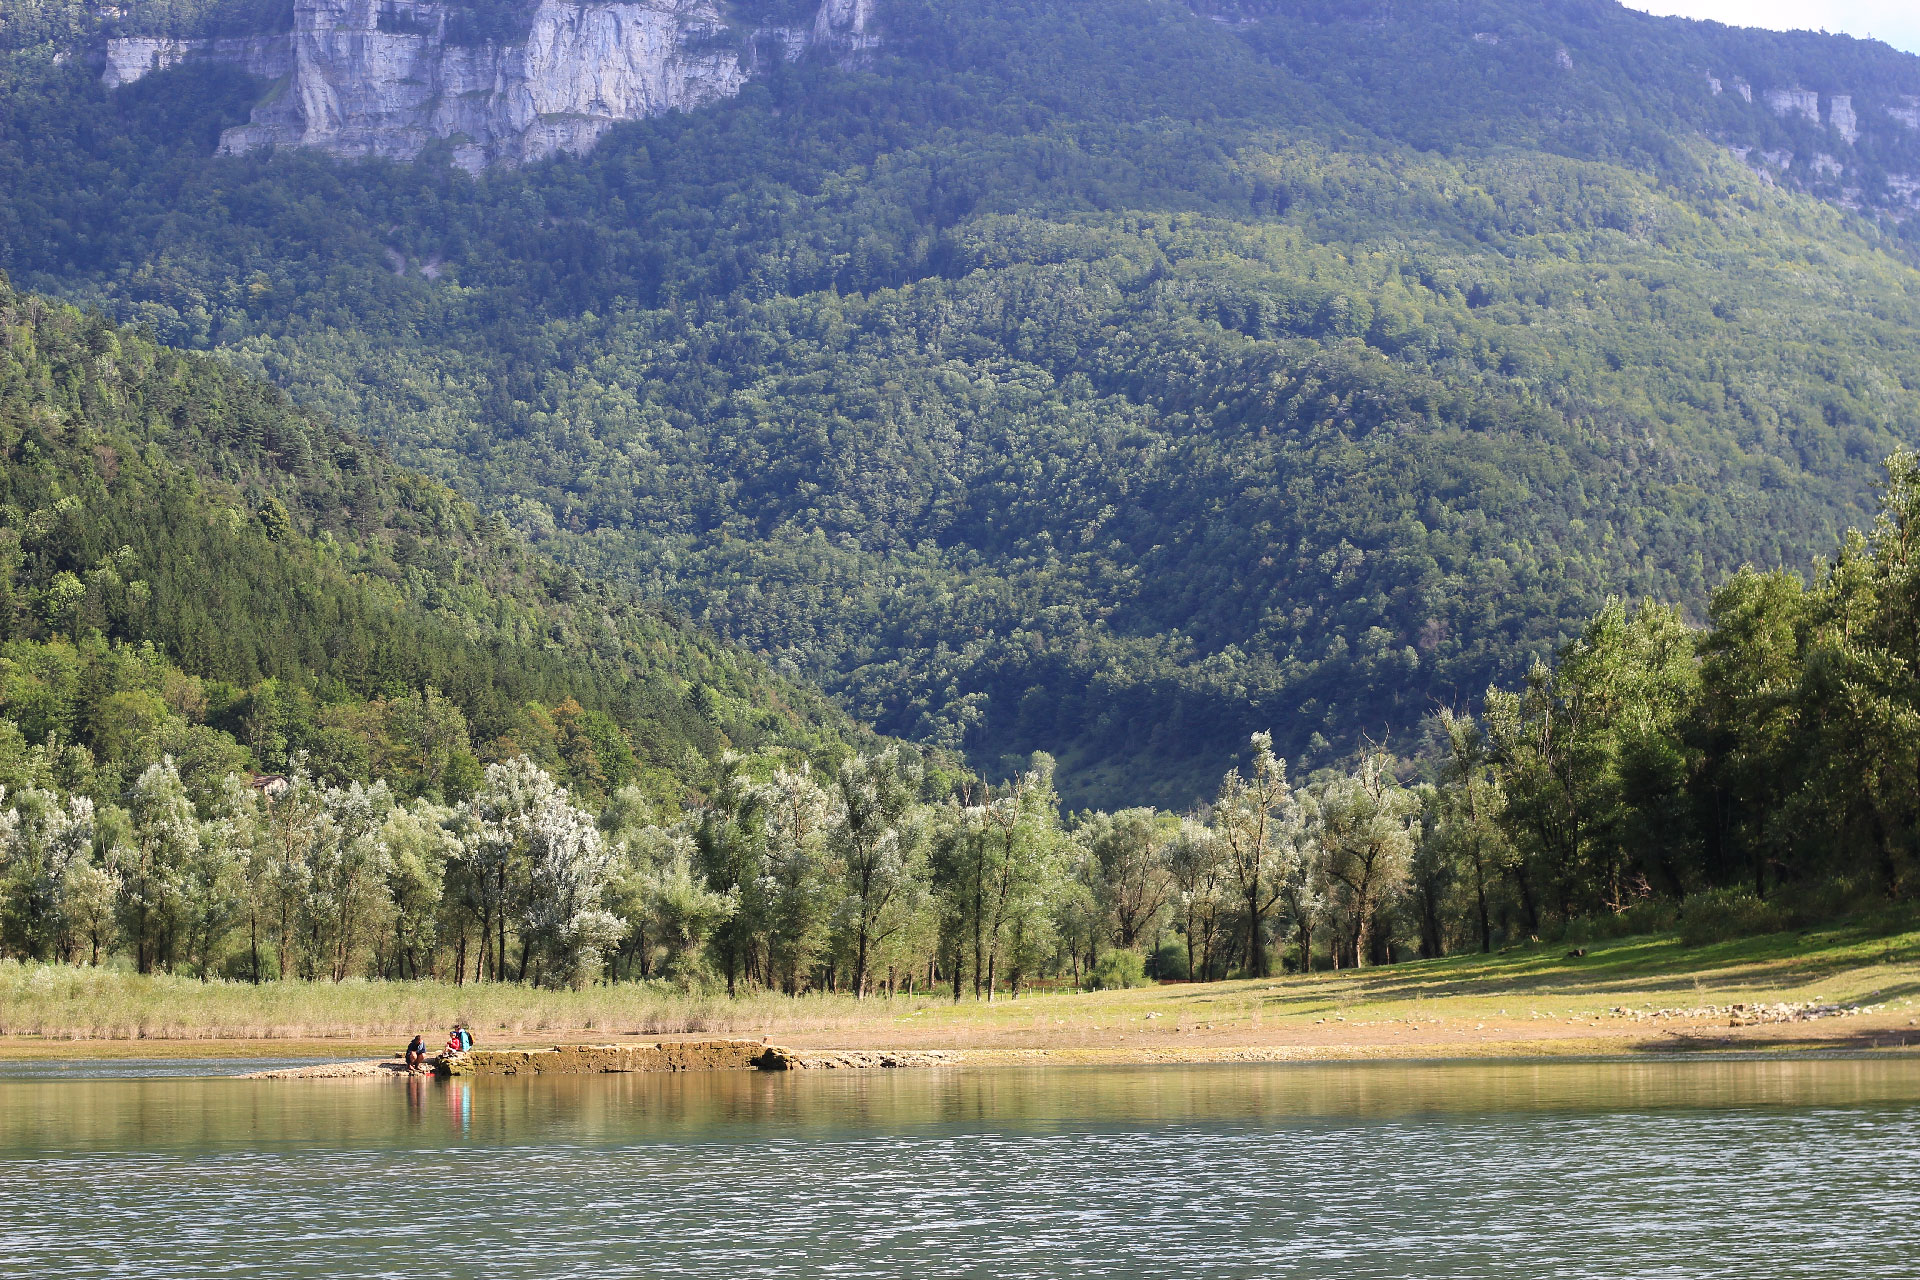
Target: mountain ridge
{"x": 1107, "y": 379}
{"x": 390, "y": 78}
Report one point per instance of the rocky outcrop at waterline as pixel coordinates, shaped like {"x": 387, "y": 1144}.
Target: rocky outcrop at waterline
{"x": 619, "y": 1059}
{"x": 607, "y": 1059}
{"x": 778, "y": 1059}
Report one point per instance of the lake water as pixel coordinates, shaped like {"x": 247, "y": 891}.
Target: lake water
{"x": 1642, "y": 1169}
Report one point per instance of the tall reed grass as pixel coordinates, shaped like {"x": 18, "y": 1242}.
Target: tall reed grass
{"x": 66, "y": 1002}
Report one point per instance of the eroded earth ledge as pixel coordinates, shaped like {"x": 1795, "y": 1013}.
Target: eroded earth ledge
{"x": 616, "y": 1059}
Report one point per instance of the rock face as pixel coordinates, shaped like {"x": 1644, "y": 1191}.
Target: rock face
{"x": 607, "y": 1059}
{"x": 382, "y": 78}
{"x": 130, "y": 58}
{"x": 1802, "y": 102}
{"x": 1842, "y": 118}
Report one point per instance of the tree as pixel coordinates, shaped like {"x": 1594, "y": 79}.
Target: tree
{"x": 533, "y": 864}
{"x": 1129, "y": 872}
{"x": 878, "y": 844}
{"x": 1197, "y": 863}
{"x": 1748, "y": 721}
{"x": 419, "y": 846}
{"x": 211, "y": 895}
{"x": 958, "y": 867}
{"x": 279, "y": 834}
{"x": 797, "y": 887}
{"x": 346, "y": 880}
{"x": 1257, "y": 823}
{"x": 164, "y": 836}
{"x": 1858, "y": 694}
{"x": 1368, "y": 825}
{"x": 1469, "y": 804}
{"x": 666, "y": 902}
{"x": 567, "y": 925}
{"x": 431, "y": 736}
{"x": 729, "y": 836}
{"x": 46, "y": 851}
{"x": 1022, "y": 866}
{"x": 1592, "y": 747}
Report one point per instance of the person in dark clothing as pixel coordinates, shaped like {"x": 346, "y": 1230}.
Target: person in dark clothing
{"x": 416, "y": 1054}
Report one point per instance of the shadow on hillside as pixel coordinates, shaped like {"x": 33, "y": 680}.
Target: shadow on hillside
{"x": 1838, "y": 1041}
{"x": 1652, "y": 969}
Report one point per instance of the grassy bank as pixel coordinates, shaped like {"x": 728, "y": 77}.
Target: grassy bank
{"x": 1536, "y": 1000}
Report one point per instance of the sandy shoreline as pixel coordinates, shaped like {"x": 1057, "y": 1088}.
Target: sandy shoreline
{"x": 1323, "y": 1041}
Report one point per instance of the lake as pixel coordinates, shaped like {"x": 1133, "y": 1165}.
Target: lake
{"x": 1565, "y": 1169}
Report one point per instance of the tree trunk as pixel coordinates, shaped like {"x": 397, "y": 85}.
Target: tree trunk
{"x": 1529, "y": 910}
{"x": 1480, "y": 893}
{"x": 253, "y": 945}
{"x": 860, "y": 963}
{"x": 1433, "y": 942}
{"x": 1191, "y": 976}
{"x": 1256, "y": 954}
{"x": 979, "y": 959}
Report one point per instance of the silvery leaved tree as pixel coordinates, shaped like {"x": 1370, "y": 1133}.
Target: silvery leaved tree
{"x": 46, "y": 868}
{"x": 1367, "y": 829}
{"x": 879, "y": 845}
{"x": 535, "y": 870}
{"x": 1258, "y": 824}
{"x": 797, "y": 890}
{"x": 163, "y": 836}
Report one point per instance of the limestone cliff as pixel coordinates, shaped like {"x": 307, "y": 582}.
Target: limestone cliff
{"x": 383, "y": 78}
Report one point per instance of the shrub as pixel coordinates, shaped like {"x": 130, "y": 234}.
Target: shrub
{"x": 1170, "y": 961}
{"x": 1118, "y": 970}
{"x": 1722, "y": 914}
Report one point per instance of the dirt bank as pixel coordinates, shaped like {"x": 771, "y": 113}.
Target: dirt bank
{"x": 1639, "y": 1034}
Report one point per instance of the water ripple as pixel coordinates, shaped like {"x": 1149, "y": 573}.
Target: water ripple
{"x": 1780, "y": 1191}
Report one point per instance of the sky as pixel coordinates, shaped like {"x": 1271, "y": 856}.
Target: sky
{"x": 1895, "y": 21}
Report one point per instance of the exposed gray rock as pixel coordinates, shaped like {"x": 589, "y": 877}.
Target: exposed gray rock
{"x": 1841, "y": 116}
{"x": 345, "y": 85}
{"x": 1786, "y": 102}
{"x": 132, "y": 57}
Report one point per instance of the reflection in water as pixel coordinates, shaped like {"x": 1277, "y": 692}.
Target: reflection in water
{"x": 141, "y": 1068}
{"x": 1565, "y": 1169}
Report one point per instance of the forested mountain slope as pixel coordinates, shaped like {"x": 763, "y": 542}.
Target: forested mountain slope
{"x": 1110, "y": 378}
{"x": 189, "y": 565}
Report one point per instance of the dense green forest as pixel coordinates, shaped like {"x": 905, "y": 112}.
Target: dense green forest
{"x": 1748, "y": 776}
{"x": 191, "y": 567}
{"x": 499, "y": 771}
{"x": 1107, "y": 379}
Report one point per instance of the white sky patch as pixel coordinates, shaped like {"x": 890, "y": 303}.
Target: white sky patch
{"x": 1895, "y": 21}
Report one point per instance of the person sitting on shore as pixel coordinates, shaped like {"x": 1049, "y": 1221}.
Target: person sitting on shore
{"x": 454, "y": 1044}
{"x": 466, "y": 1037}
{"x": 416, "y": 1054}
